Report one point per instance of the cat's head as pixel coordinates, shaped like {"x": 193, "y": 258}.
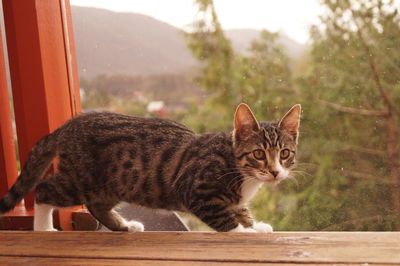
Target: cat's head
{"x": 266, "y": 150}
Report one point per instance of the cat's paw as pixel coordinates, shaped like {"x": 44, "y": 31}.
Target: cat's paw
{"x": 260, "y": 227}
{"x": 249, "y": 230}
{"x": 134, "y": 226}
{"x": 242, "y": 229}
{"x": 45, "y": 229}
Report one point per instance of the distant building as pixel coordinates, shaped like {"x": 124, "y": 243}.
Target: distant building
{"x": 157, "y": 108}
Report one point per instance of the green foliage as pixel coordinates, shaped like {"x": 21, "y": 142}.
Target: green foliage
{"x": 351, "y": 59}
{"x": 262, "y": 78}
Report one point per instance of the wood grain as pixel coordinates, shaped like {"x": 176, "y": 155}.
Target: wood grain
{"x": 76, "y": 261}
{"x": 310, "y": 247}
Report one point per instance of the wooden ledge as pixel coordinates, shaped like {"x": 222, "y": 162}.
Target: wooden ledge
{"x": 180, "y": 248}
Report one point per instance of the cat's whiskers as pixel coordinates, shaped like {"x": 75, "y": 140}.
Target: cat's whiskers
{"x": 246, "y": 179}
{"x": 241, "y": 177}
{"x": 234, "y": 181}
{"x": 301, "y": 173}
{"x": 234, "y": 172}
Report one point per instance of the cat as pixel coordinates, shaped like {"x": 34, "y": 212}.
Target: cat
{"x": 107, "y": 158}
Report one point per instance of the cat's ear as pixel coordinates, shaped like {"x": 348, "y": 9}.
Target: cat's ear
{"x": 245, "y": 123}
{"x": 291, "y": 121}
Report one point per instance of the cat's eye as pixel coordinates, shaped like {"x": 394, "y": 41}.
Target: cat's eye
{"x": 285, "y": 154}
{"x": 259, "y": 154}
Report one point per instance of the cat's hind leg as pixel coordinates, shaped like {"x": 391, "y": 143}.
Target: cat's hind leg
{"x": 43, "y": 219}
{"x": 112, "y": 220}
{"x": 54, "y": 192}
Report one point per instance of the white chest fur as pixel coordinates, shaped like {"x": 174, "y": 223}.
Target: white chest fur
{"x": 249, "y": 190}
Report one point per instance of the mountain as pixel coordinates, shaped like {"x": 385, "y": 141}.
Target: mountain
{"x": 241, "y": 39}
{"x": 126, "y": 43}
{"x": 110, "y": 43}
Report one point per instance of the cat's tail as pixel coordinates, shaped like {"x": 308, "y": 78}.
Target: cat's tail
{"x": 38, "y": 162}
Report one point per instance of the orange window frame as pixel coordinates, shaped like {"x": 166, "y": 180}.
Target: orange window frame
{"x": 45, "y": 86}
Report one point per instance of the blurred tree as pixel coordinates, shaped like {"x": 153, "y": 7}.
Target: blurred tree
{"x": 353, "y": 86}
{"x": 263, "y": 78}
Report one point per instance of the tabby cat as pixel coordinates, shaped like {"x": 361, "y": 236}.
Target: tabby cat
{"x": 107, "y": 158}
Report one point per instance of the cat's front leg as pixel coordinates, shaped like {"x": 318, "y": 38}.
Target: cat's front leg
{"x": 246, "y": 220}
{"x": 244, "y": 217}
{"x": 218, "y": 215}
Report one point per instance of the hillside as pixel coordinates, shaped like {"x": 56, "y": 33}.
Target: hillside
{"x": 126, "y": 43}
{"x": 133, "y": 44}
{"x": 241, "y": 38}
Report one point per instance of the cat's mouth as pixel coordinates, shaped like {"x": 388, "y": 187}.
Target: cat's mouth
{"x": 268, "y": 178}
{"x": 264, "y": 176}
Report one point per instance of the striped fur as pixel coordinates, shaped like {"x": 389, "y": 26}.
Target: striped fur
{"x": 107, "y": 158}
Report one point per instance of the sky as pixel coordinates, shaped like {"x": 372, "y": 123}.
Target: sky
{"x": 291, "y": 17}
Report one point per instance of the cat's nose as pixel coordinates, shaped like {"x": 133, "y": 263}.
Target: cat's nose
{"x": 274, "y": 173}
